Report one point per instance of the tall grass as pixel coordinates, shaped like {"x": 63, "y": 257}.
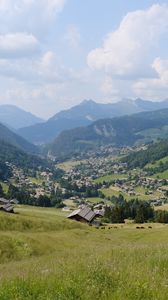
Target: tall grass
{"x": 84, "y": 263}
{"x": 119, "y": 276}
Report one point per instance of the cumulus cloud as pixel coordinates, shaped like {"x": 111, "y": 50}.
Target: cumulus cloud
{"x": 33, "y": 16}
{"x": 50, "y": 69}
{"x": 18, "y": 45}
{"x": 161, "y": 67}
{"x": 109, "y": 88}
{"x": 126, "y": 65}
{"x": 38, "y": 99}
{"x": 129, "y": 51}
{"x": 30, "y": 73}
{"x": 39, "y": 70}
{"x": 154, "y": 88}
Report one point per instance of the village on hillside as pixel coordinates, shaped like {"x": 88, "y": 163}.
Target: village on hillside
{"x": 91, "y": 183}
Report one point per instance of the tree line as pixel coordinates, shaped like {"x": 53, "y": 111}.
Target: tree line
{"x": 25, "y": 197}
{"x": 137, "y": 210}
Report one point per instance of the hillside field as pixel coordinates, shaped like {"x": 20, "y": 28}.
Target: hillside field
{"x": 46, "y": 256}
{"x": 110, "y": 177}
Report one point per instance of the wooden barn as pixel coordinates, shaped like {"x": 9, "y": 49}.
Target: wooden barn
{"x": 85, "y": 215}
{"x": 7, "y": 205}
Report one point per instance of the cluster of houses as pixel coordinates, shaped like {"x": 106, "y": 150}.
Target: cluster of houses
{"x": 130, "y": 184}
{"x": 44, "y": 184}
{"x": 91, "y": 169}
{"x": 99, "y": 163}
{"x": 150, "y": 184}
{"x": 102, "y": 151}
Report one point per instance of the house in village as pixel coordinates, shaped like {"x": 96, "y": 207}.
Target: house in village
{"x": 85, "y": 215}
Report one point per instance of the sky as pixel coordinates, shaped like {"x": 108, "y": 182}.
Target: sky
{"x": 56, "y": 53}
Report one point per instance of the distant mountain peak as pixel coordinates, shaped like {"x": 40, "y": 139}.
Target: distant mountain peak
{"x": 15, "y": 117}
{"x": 8, "y": 136}
{"x": 87, "y": 102}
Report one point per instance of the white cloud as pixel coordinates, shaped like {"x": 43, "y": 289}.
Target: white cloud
{"x": 34, "y": 76}
{"x": 38, "y": 70}
{"x": 31, "y": 73}
{"x": 20, "y": 6}
{"x": 42, "y": 99}
{"x": 161, "y": 67}
{"x": 33, "y": 16}
{"x": 50, "y": 69}
{"x": 48, "y": 59}
{"x": 129, "y": 51}
{"x": 18, "y": 44}
{"x": 73, "y": 36}
{"x": 108, "y": 87}
{"x": 154, "y": 88}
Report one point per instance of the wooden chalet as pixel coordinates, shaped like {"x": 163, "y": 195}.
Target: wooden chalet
{"x": 7, "y": 205}
{"x": 85, "y": 215}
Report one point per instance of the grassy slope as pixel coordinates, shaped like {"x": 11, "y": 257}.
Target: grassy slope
{"x": 112, "y": 191}
{"x": 95, "y": 200}
{"x": 36, "y": 180}
{"x": 110, "y": 177}
{"x": 163, "y": 175}
{"x": 4, "y": 186}
{"x": 68, "y": 165}
{"x": 155, "y": 133}
{"x": 157, "y": 162}
{"x": 54, "y": 258}
{"x": 160, "y": 175}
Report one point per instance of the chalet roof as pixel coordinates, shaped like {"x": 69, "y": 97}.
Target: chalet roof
{"x": 14, "y": 201}
{"x": 3, "y": 201}
{"x": 6, "y": 201}
{"x": 8, "y": 207}
{"x": 85, "y": 213}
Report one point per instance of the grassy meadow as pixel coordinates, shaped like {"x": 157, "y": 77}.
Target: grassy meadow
{"x": 46, "y": 256}
{"x": 108, "y": 178}
{"x": 96, "y": 200}
{"x": 163, "y": 175}
{"x": 157, "y": 162}
{"x": 68, "y": 165}
{"x": 140, "y": 193}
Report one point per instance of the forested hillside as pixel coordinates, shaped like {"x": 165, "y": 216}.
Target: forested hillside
{"x": 153, "y": 153}
{"x": 19, "y": 158}
{"x": 10, "y": 137}
{"x": 122, "y": 131}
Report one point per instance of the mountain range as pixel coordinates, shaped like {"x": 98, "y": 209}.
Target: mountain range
{"x": 89, "y": 125}
{"x": 85, "y": 114}
{"x": 15, "y": 117}
{"x": 121, "y": 131}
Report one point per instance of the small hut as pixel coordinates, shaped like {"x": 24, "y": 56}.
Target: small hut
{"x": 85, "y": 215}
{"x": 7, "y": 205}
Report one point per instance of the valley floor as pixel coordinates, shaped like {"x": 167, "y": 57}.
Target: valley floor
{"x": 46, "y": 256}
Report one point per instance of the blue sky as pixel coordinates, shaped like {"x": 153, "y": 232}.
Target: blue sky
{"x": 55, "y": 53}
